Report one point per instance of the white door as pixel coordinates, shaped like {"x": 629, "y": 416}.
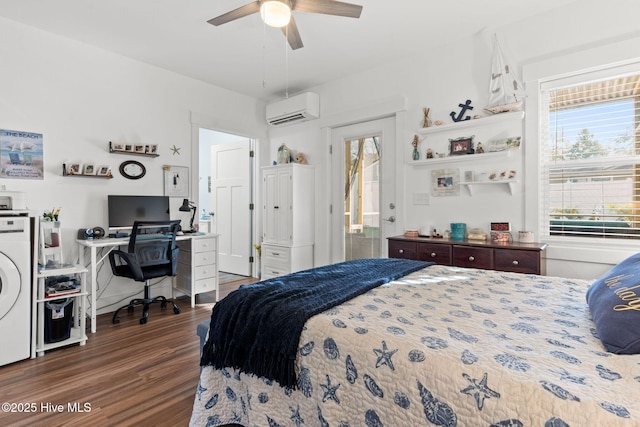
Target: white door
{"x": 363, "y": 189}
{"x": 230, "y": 200}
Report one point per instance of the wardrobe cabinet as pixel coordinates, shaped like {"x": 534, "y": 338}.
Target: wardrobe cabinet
{"x": 288, "y": 219}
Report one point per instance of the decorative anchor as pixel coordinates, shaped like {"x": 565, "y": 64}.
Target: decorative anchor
{"x": 466, "y": 106}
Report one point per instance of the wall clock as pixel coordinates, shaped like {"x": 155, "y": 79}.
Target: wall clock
{"x": 131, "y": 169}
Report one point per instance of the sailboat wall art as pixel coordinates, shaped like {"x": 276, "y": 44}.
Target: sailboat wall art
{"x": 506, "y": 92}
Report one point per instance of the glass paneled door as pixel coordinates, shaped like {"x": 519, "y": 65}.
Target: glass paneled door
{"x": 363, "y": 210}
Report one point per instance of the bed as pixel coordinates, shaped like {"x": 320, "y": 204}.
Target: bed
{"x": 443, "y": 346}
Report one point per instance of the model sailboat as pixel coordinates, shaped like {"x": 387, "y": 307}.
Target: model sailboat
{"x": 506, "y": 91}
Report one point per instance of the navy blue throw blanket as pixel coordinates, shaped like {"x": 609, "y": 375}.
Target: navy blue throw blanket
{"x": 256, "y": 328}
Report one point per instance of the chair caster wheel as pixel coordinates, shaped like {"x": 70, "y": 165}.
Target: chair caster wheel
{"x": 176, "y": 310}
{"x": 116, "y": 320}
{"x": 163, "y": 304}
{"x": 130, "y": 309}
{"x": 143, "y": 320}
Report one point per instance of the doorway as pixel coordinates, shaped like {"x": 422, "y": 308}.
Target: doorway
{"x": 363, "y": 189}
{"x": 226, "y": 197}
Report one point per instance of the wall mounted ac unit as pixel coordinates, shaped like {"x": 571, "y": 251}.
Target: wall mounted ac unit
{"x": 298, "y": 108}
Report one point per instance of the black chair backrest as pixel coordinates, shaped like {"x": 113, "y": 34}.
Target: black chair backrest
{"x": 153, "y": 242}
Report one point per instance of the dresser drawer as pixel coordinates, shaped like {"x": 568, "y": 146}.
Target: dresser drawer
{"x": 440, "y": 254}
{"x": 517, "y": 261}
{"x": 204, "y": 245}
{"x": 204, "y": 258}
{"x": 274, "y": 270}
{"x": 205, "y": 285}
{"x": 205, "y": 271}
{"x": 399, "y": 249}
{"x": 272, "y": 254}
{"x": 464, "y": 256}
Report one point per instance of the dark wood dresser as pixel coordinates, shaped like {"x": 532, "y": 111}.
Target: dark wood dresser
{"x": 504, "y": 256}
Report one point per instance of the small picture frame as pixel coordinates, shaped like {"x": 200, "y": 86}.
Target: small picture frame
{"x": 75, "y": 169}
{"x": 89, "y": 169}
{"x": 138, "y": 148}
{"x": 128, "y": 147}
{"x": 151, "y": 149}
{"x": 103, "y": 171}
{"x": 460, "y": 146}
{"x": 469, "y": 176}
{"x": 445, "y": 182}
{"x": 117, "y": 147}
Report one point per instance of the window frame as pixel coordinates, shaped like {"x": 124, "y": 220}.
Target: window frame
{"x": 543, "y": 88}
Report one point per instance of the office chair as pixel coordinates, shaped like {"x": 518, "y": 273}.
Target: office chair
{"x": 149, "y": 255}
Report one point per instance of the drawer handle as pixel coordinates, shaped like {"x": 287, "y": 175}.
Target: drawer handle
{"x": 276, "y": 207}
{"x": 275, "y": 253}
{"x": 401, "y": 251}
{"x": 515, "y": 262}
{"x": 433, "y": 254}
{"x": 471, "y": 258}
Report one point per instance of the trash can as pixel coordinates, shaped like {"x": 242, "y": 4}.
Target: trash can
{"x": 58, "y": 318}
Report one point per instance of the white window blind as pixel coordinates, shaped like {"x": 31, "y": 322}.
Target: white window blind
{"x": 590, "y": 137}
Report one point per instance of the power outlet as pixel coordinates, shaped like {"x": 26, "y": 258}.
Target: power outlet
{"x": 421, "y": 199}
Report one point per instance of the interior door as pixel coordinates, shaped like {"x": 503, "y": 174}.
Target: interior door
{"x": 363, "y": 189}
{"x": 230, "y": 199}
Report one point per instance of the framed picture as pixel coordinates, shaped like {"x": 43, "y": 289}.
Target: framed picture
{"x": 176, "y": 181}
{"x": 103, "y": 171}
{"x": 460, "y": 146}
{"x": 75, "y": 169}
{"x": 138, "y": 148}
{"x": 89, "y": 169}
{"x": 151, "y": 149}
{"x": 117, "y": 147}
{"x": 504, "y": 144}
{"x": 128, "y": 147}
{"x": 445, "y": 182}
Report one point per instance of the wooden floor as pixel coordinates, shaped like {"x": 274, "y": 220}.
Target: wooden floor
{"x": 126, "y": 374}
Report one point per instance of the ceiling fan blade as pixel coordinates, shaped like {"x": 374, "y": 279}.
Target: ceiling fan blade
{"x": 240, "y": 12}
{"x": 328, "y": 7}
{"x": 292, "y": 34}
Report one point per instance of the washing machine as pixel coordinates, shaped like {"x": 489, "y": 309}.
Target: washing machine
{"x": 15, "y": 289}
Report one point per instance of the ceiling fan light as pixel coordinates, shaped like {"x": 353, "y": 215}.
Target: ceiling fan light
{"x": 275, "y": 13}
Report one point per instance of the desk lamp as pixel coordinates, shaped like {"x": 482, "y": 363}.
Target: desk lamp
{"x": 186, "y": 207}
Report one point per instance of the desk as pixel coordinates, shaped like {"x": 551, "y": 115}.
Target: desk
{"x": 202, "y": 250}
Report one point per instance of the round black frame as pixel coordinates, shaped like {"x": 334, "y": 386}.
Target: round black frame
{"x": 132, "y": 162}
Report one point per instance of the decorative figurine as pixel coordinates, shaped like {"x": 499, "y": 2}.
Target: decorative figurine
{"x": 461, "y": 115}
{"x": 479, "y": 148}
{"x": 284, "y": 154}
{"x": 438, "y": 122}
{"x": 416, "y": 154}
{"x": 429, "y": 153}
{"x": 426, "y": 121}
{"x": 301, "y": 158}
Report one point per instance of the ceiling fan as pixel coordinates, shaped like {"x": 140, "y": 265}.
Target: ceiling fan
{"x": 277, "y": 13}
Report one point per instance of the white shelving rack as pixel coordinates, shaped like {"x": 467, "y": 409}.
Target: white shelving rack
{"x": 49, "y": 244}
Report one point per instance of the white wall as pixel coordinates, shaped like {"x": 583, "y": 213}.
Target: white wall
{"x": 80, "y": 98}
{"x": 444, "y": 75}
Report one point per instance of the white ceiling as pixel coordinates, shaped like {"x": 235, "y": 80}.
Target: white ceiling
{"x": 241, "y": 55}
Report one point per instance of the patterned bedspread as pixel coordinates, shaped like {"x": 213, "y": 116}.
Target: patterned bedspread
{"x": 442, "y": 346}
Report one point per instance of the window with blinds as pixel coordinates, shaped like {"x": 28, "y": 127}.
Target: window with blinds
{"x": 591, "y": 157}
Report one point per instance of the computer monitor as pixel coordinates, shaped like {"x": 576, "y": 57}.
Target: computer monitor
{"x": 124, "y": 210}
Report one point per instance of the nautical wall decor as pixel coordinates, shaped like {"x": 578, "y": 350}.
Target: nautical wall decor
{"x": 461, "y": 115}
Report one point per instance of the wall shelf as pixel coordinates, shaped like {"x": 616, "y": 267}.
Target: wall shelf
{"x": 467, "y": 124}
{"x": 88, "y": 176}
{"x": 474, "y": 185}
{"x": 133, "y": 152}
{"x": 464, "y": 157}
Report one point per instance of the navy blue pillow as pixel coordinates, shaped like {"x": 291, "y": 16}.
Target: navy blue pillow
{"x": 614, "y": 301}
